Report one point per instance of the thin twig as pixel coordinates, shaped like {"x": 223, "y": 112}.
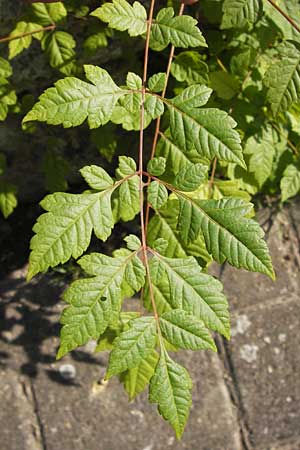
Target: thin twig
{"x": 285, "y": 15}
{"x": 28, "y": 33}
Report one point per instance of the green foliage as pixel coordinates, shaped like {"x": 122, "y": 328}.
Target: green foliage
{"x": 225, "y": 117}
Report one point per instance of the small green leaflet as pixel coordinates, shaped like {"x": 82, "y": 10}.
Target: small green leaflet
{"x": 96, "y": 177}
{"x": 126, "y": 201}
{"x": 210, "y": 131}
{"x": 189, "y": 67}
{"x": 95, "y": 302}
{"x": 185, "y": 331}
{"x": 228, "y": 234}
{"x": 135, "y": 380}
{"x": 16, "y": 46}
{"x": 156, "y": 83}
{"x": 72, "y": 101}
{"x": 283, "y": 78}
{"x": 180, "y": 31}
{"x": 133, "y": 242}
{"x": 290, "y": 182}
{"x": 132, "y": 346}
{"x": 8, "y": 199}
{"x": 164, "y": 225}
{"x": 179, "y": 283}
{"x": 5, "y": 68}
{"x": 157, "y": 194}
{"x": 156, "y": 166}
{"x": 47, "y": 14}
{"x": 59, "y": 47}
{"x": 121, "y": 16}
{"x": 240, "y": 13}
{"x": 261, "y": 149}
{"x": 170, "y": 388}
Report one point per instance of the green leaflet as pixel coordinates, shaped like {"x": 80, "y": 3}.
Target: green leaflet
{"x": 136, "y": 379}
{"x": 7, "y": 94}
{"x": 164, "y": 224}
{"x": 8, "y": 199}
{"x": 47, "y": 14}
{"x": 228, "y": 234}
{"x": 16, "y": 46}
{"x": 156, "y": 83}
{"x": 291, "y": 8}
{"x": 126, "y": 201}
{"x": 179, "y": 283}
{"x": 59, "y": 47}
{"x": 170, "y": 388}
{"x": 190, "y": 177}
{"x": 121, "y": 16}
{"x": 261, "y": 149}
{"x": 283, "y": 78}
{"x": 157, "y": 194}
{"x": 180, "y": 31}
{"x": 72, "y": 101}
{"x": 133, "y": 242}
{"x": 240, "y": 13}
{"x": 210, "y": 131}
{"x": 97, "y": 177}
{"x": 157, "y": 165}
{"x": 185, "y": 331}
{"x": 290, "y": 183}
{"x": 95, "y": 302}
{"x": 189, "y": 67}
{"x": 132, "y": 346}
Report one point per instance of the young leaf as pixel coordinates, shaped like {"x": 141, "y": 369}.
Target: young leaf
{"x": 136, "y": 379}
{"x": 157, "y": 194}
{"x": 132, "y": 346}
{"x": 240, "y": 13}
{"x": 210, "y": 131}
{"x": 72, "y": 101}
{"x": 170, "y": 388}
{"x": 8, "y": 199}
{"x": 185, "y": 331}
{"x": 121, "y": 16}
{"x": 16, "y": 46}
{"x": 133, "y": 242}
{"x": 47, "y": 14}
{"x": 290, "y": 183}
{"x": 189, "y": 67}
{"x": 283, "y": 78}
{"x": 190, "y": 177}
{"x": 59, "y": 46}
{"x": 65, "y": 230}
{"x": 157, "y": 82}
{"x": 180, "y": 31}
{"x": 182, "y": 285}
{"x": 228, "y": 234}
{"x": 96, "y": 177}
{"x": 156, "y": 166}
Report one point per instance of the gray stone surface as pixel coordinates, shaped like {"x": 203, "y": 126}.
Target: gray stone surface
{"x": 246, "y": 397}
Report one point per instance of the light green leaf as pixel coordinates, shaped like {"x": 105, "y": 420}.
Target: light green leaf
{"x": 290, "y": 182}
{"x": 283, "y": 78}
{"x": 94, "y": 302}
{"x": 240, "y": 13}
{"x": 121, "y": 16}
{"x": 95, "y": 41}
{"x": 96, "y": 177}
{"x": 59, "y": 47}
{"x": 126, "y": 200}
{"x": 193, "y": 96}
{"x": 209, "y": 131}
{"x": 180, "y": 31}
{"x": 170, "y": 388}
{"x": 182, "y": 285}
{"x": 156, "y": 83}
{"x": 47, "y": 14}
{"x": 157, "y": 165}
{"x": 157, "y": 194}
{"x": 133, "y": 242}
{"x": 16, "y": 46}
{"x": 228, "y": 234}
{"x": 164, "y": 224}
{"x": 261, "y": 149}
{"x": 189, "y": 67}
{"x": 127, "y": 166}
{"x": 66, "y": 229}
{"x": 8, "y": 199}
{"x": 136, "y": 379}
{"x": 190, "y": 177}
{"x": 132, "y": 346}
{"x": 186, "y": 331}
{"x": 5, "y": 68}
{"x": 72, "y": 101}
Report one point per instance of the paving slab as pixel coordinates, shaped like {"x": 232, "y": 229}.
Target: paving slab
{"x": 265, "y": 359}
{"x": 247, "y": 289}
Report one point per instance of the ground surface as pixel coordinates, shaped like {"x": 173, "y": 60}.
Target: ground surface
{"x": 245, "y": 398}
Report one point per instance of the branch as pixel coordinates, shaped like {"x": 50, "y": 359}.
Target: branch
{"x": 285, "y": 15}
{"x": 28, "y": 33}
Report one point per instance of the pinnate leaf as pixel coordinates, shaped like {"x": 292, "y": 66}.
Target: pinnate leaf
{"x": 170, "y": 388}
